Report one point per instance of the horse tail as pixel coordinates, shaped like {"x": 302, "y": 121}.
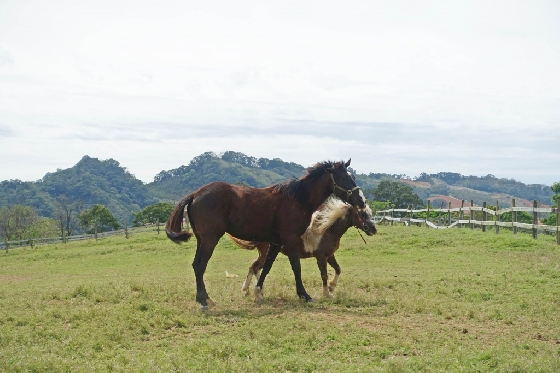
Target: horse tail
{"x": 173, "y": 225}
{"x": 248, "y": 245}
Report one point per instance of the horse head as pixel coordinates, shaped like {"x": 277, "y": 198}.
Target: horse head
{"x": 345, "y": 186}
{"x": 363, "y": 219}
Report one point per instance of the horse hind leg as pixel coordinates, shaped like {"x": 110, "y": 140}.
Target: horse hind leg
{"x": 333, "y": 263}
{"x": 204, "y": 250}
{"x": 255, "y": 268}
{"x": 322, "y": 264}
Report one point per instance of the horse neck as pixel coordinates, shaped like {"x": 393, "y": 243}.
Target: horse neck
{"x": 342, "y": 224}
{"x": 317, "y": 191}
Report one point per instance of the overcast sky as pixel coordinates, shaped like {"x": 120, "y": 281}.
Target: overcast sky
{"x": 399, "y": 86}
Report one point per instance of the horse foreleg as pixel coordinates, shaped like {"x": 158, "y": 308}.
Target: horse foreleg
{"x": 203, "y": 254}
{"x": 269, "y": 260}
{"x": 296, "y": 268}
{"x": 332, "y": 261}
{"x": 322, "y": 264}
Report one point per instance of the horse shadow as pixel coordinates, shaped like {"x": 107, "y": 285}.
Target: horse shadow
{"x": 272, "y": 306}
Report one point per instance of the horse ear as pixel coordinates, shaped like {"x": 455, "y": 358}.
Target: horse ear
{"x": 348, "y": 163}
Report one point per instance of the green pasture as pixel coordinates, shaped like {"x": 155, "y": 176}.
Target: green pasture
{"x": 413, "y": 299}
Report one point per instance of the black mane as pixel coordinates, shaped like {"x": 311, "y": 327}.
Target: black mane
{"x": 291, "y": 188}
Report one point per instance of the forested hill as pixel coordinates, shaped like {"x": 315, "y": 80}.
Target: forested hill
{"x": 90, "y": 181}
{"x": 94, "y": 181}
{"x": 234, "y": 167}
{"x": 231, "y": 167}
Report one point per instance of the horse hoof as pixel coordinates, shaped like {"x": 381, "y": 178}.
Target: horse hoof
{"x": 258, "y": 294}
{"x": 204, "y": 308}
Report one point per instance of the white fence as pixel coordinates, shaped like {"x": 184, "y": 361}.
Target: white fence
{"x": 52, "y": 240}
{"x": 465, "y": 216}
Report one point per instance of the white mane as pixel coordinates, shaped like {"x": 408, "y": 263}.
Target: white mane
{"x": 323, "y": 220}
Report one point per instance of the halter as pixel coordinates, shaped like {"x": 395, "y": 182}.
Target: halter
{"x": 363, "y": 226}
{"x": 347, "y": 191}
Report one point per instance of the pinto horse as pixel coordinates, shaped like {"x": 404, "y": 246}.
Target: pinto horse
{"x": 278, "y": 214}
{"x": 321, "y": 240}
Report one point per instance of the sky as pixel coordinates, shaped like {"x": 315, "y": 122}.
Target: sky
{"x": 400, "y": 87}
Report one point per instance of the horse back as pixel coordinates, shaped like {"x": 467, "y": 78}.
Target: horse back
{"x": 244, "y": 212}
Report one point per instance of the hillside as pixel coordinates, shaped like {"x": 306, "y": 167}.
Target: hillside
{"x": 480, "y": 189}
{"x": 107, "y": 182}
{"x": 231, "y": 167}
{"x": 90, "y": 181}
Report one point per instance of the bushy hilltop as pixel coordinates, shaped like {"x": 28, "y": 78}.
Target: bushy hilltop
{"x": 90, "y": 181}
{"x": 231, "y": 167}
{"x": 107, "y": 182}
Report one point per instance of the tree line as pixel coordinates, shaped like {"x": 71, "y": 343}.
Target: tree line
{"x": 19, "y": 222}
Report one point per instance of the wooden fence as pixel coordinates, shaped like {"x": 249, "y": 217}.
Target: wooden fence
{"x": 465, "y": 216}
{"x": 52, "y": 240}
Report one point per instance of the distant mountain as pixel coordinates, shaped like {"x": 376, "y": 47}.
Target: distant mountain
{"x": 107, "y": 182}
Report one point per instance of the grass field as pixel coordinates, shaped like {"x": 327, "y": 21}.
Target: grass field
{"x": 412, "y": 299}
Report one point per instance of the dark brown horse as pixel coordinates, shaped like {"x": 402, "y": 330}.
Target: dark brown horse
{"x": 321, "y": 240}
{"x": 278, "y": 214}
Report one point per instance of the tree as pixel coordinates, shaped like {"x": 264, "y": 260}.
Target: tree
{"x": 15, "y": 221}
{"x": 156, "y": 213}
{"x": 556, "y": 189}
{"x": 551, "y": 220}
{"x": 66, "y": 214}
{"x": 522, "y": 217}
{"x": 379, "y": 206}
{"x": 6, "y": 225}
{"x": 97, "y": 219}
{"x": 43, "y": 228}
{"x": 399, "y": 194}
{"x": 24, "y": 217}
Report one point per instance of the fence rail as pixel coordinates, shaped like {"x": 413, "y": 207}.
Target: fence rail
{"x": 52, "y": 240}
{"x": 468, "y": 211}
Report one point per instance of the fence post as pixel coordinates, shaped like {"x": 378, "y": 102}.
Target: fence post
{"x": 428, "y": 214}
{"x": 484, "y": 216}
{"x": 513, "y": 217}
{"x": 471, "y": 217}
{"x": 410, "y": 216}
{"x": 558, "y": 222}
{"x": 497, "y": 217}
{"x": 440, "y": 213}
{"x": 461, "y": 214}
{"x": 449, "y": 213}
{"x": 392, "y": 215}
{"x": 535, "y": 220}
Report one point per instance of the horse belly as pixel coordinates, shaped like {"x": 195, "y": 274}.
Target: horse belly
{"x": 250, "y": 228}
{"x": 252, "y": 218}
